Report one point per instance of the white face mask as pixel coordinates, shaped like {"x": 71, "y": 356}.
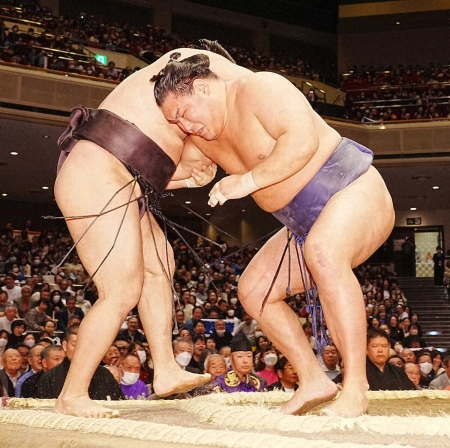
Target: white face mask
{"x": 233, "y": 301}
{"x": 414, "y": 332}
{"x": 398, "y": 348}
{"x": 220, "y": 332}
{"x": 426, "y": 367}
{"x": 183, "y": 359}
{"x": 3, "y": 343}
{"x": 129, "y": 378}
{"x": 15, "y": 269}
{"x": 270, "y": 359}
{"x": 56, "y": 299}
{"x": 230, "y": 313}
{"x": 29, "y": 342}
{"x": 142, "y": 356}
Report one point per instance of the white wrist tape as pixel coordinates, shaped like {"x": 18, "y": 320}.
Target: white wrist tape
{"x": 191, "y": 183}
{"x": 248, "y": 184}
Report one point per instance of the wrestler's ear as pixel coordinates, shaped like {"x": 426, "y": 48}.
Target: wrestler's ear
{"x": 201, "y": 86}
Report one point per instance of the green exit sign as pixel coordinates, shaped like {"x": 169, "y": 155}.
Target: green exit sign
{"x": 101, "y": 58}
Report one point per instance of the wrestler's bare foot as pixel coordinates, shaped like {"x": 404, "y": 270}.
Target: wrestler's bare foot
{"x": 309, "y": 396}
{"x": 83, "y": 406}
{"x": 352, "y": 402}
{"x": 178, "y": 381}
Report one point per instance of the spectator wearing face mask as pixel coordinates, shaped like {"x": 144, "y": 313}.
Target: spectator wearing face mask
{"x": 220, "y": 335}
{"x": 132, "y": 387}
{"x": 413, "y": 340}
{"x": 426, "y": 368}
{"x": 183, "y": 350}
{"x": 266, "y": 365}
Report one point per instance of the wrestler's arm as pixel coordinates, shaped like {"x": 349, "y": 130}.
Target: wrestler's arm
{"x": 193, "y": 170}
{"x": 286, "y": 116}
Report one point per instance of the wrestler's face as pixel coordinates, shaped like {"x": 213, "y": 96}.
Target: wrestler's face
{"x": 201, "y": 113}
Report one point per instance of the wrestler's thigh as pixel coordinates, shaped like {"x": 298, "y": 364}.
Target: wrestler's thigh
{"x": 352, "y": 226}
{"x": 157, "y": 252}
{"x": 258, "y": 276}
{"x": 88, "y": 180}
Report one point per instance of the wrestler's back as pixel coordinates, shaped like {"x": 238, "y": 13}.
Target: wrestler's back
{"x": 133, "y": 100}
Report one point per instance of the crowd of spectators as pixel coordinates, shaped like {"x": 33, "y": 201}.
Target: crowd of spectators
{"x": 40, "y": 311}
{"x": 402, "y": 93}
{"x": 67, "y": 34}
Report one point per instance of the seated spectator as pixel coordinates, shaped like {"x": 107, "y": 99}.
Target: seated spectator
{"x": 7, "y": 319}
{"x": 215, "y": 365}
{"x": 426, "y": 367}
{"x": 199, "y": 328}
{"x": 442, "y": 381}
{"x": 413, "y": 372}
{"x": 50, "y": 356}
{"x": 36, "y": 318}
{"x": 23, "y": 302}
{"x": 220, "y": 335}
{"x": 130, "y": 384}
{"x": 29, "y": 340}
{"x": 248, "y": 327}
{"x": 14, "y": 291}
{"x": 132, "y": 332}
{"x": 413, "y": 337}
{"x": 66, "y": 314}
{"x": 179, "y": 322}
{"x": 112, "y": 357}
{"x": 408, "y": 355}
{"x": 197, "y": 315}
{"x": 397, "y": 361}
{"x": 82, "y": 302}
{"x": 185, "y": 334}
{"x": 17, "y": 333}
{"x": 138, "y": 349}
{"x": 330, "y": 361}
{"x": 34, "y": 359}
{"x": 9, "y": 375}
{"x": 24, "y": 351}
{"x": 382, "y": 375}
{"x": 112, "y": 72}
{"x": 288, "y": 378}
{"x": 210, "y": 343}
{"x": 199, "y": 345}
{"x": 240, "y": 378}
{"x": 182, "y": 351}
{"x": 122, "y": 346}
{"x": 49, "y": 331}
{"x": 102, "y": 384}
{"x": 56, "y": 299}
{"x": 437, "y": 362}
{"x": 45, "y": 297}
{"x": 265, "y": 367}
{"x": 3, "y": 302}
{"x": 261, "y": 341}
{"x": 308, "y": 330}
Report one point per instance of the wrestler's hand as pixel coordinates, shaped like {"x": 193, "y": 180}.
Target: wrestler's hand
{"x": 227, "y": 188}
{"x": 205, "y": 176}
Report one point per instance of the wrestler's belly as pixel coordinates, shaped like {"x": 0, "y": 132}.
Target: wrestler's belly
{"x": 275, "y": 197}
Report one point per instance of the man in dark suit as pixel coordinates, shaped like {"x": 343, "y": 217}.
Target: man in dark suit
{"x": 132, "y": 333}
{"x": 288, "y": 377}
{"x": 67, "y": 313}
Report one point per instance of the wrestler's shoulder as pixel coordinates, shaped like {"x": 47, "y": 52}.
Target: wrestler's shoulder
{"x": 259, "y": 82}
